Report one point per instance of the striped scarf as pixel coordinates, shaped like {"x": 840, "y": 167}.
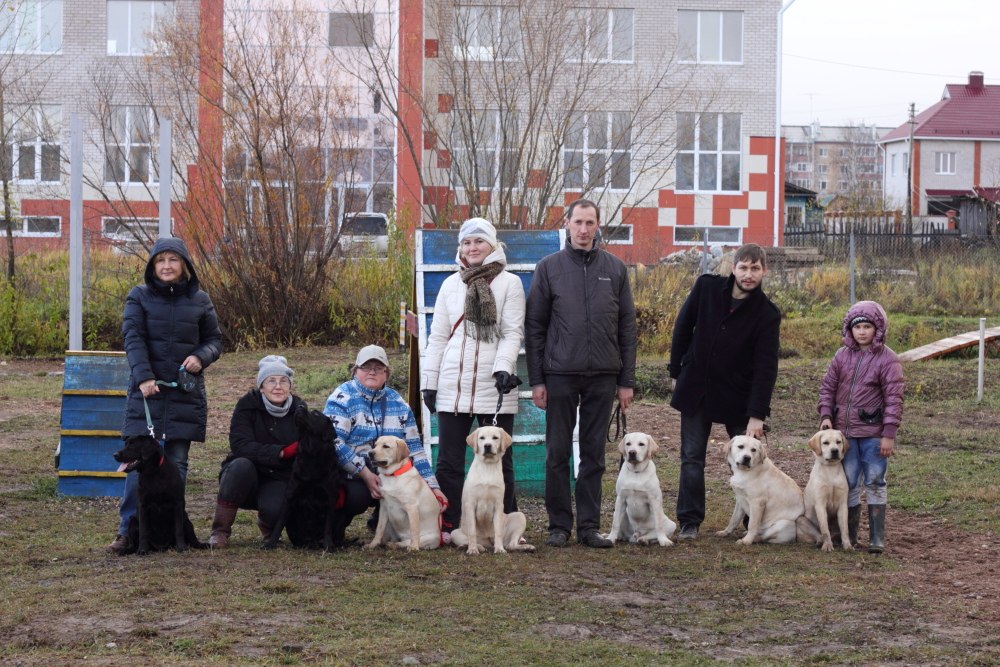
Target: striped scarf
{"x": 480, "y": 306}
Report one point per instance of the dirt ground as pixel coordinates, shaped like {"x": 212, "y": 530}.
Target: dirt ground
{"x": 935, "y": 560}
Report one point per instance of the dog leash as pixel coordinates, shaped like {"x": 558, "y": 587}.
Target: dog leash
{"x": 620, "y": 423}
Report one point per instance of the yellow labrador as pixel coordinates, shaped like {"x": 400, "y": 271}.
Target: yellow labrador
{"x": 826, "y": 491}
{"x": 639, "y": 515}
{"x": 408, "y": 517}
{"x": 770, "y": 498}
{"x": 484, "y": 524}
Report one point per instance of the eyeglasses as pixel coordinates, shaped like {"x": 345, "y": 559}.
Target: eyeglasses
{"x": 277, "y": 382}
{"x": 373, "y": 368}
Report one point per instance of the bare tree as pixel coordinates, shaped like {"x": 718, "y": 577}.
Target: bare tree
{"x": 27, "y": 129}
{"x": 265, "y": 152}
{"x": 524, "y": 101}
{"x": 857, "y": 167}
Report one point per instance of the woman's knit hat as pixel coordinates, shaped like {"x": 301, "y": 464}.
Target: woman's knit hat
{"x": 479, "y": 228}
{"x": 273, "y": 365}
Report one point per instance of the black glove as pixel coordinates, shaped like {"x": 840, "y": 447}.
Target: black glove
{"x": 505, "y": 382}
{"x": 430, "y": 399}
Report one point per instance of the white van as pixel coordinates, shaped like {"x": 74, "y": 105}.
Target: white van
{"x": 364, "y": 234}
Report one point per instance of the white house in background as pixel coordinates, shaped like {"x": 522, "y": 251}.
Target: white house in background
{"x": 955, "y": 153}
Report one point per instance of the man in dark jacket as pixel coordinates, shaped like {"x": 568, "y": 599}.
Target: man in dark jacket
{"x": 580, "y": 342}
{"x": 724, "y": 358}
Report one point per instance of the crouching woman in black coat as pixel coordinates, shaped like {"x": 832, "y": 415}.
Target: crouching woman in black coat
{"x": 263, "y": 439}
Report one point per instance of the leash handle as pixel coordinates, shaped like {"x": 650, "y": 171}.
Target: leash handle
{"x": 149, "y": 419}
{"x": 619, "y": 421}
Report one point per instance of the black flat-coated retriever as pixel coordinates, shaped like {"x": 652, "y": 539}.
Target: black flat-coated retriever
{"x": 309, "y": 512}
{"x": 161, "y": 521}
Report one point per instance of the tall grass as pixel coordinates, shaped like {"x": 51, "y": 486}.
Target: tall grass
{"x": 928, "y": 299}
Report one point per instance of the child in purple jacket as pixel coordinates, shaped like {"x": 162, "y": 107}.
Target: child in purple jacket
{"x": 862, "y": 396}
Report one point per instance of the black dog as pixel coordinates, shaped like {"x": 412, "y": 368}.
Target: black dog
{"x": 161, "y": 521}
{"x": 309, "y": 511}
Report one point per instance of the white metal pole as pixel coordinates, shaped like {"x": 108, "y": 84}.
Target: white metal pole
{"x": 982, "y": 358}
{"x": 779, "y": 178}
{"x": 166, "y": 174}
{"x": 75, "y": 232}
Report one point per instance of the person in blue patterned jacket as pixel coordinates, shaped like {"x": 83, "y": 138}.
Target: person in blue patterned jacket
{"x": 363, "y": 409}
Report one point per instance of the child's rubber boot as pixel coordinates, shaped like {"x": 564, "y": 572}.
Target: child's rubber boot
{"x": 876, "y": 529}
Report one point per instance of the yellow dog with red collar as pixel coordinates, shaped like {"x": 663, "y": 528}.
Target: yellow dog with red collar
{"x": 409, "y": 516}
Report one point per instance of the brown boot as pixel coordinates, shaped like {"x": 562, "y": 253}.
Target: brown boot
{"x": 118, "y": 546}
{"x": 222, "y": 524}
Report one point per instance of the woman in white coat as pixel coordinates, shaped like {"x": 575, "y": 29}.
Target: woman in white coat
{"x": 471, "y": 358}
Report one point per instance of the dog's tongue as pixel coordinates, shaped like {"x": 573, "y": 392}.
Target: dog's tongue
{"x": 123, "y": 467}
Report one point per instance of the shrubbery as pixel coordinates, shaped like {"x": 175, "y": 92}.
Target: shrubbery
{"x": 929, "y": 300}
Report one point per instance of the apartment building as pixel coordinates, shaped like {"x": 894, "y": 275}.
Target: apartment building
{"x": 842, "y": 162}
{"x": 661, "y": 112}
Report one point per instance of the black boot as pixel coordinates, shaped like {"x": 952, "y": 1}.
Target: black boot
{"x": 876, "y": 529}
{"x": 265, "y": 530}
{"x": 222, "y": 524}
{"x": 853, "y": 521}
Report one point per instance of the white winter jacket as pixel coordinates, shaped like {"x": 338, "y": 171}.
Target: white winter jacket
{"x": 460, "y": 367}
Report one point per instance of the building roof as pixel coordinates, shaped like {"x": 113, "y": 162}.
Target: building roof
{"x": 798, "y": 190}
{"x": 989, "y": 194}
{"x": 832, "y": 133}
{"x": 966, "y": 111}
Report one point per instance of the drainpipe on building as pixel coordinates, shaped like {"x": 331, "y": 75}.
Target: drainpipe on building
{"x": 778, "y": 176}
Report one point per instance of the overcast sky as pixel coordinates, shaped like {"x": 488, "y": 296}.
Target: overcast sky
{"x": 848, "y": 61}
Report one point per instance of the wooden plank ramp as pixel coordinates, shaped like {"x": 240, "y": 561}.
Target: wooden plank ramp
{"x": 946, "y": 345}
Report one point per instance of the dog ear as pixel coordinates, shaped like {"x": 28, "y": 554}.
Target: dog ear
{"x": 847, "y": 443}
{"x": 815, "y": 445}
{"x": 653, "y": 447}
{"x": 505, "y": 439}
{"x": 402, "y": 451}
{"x": 763, "y": 449}
{"x": 470, "y": 439}
{"x": 621, "y": 446}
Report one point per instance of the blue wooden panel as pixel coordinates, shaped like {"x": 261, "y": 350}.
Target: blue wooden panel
{"x": 104, "y": 371}
{"x": 440, "y": 246}
{"x": 529, "y": 467}
{"x": 91, "y": 487}
{"x": 84, "y": 412}
{"x": 85, "y": 452}
{"x": 521, "y": 247}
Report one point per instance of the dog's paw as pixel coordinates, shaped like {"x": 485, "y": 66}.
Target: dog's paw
{"x": 848, "y": 546}
{"x": 141, "y": 552}
{"x": 827, "y": 545}
{"x": 665, "y": 542}
{"x": 723, "y": 533}
{"x": 181, "y": 548}
{"x": 499, "y": 549}
{"x": 745, "y": 541}
{"x": 370, "y": 546}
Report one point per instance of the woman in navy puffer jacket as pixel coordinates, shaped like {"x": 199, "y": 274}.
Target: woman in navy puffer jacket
{"x": 169, "y": 324}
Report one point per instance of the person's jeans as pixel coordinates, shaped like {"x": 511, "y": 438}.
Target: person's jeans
{"x": 594, "y": 395}
{"x": 695, "y": 430}
{"x": 176, "y": 451}
{"x": 450, "y": 465}
{"x": 863, "y": 459}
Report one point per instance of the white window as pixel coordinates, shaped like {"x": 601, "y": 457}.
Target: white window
{"x": 487, "y": 32}
{"x": 479, "y": 156}
{"x": 944, "y": 163}
{"x": 365, "y": 182}
{"x": 823, "y": 152}
{"x": 351, "y": 29}
{"x": 823, "y": 186}
{"x": 31, "y": 26}
{"x": 843, "y": 152}
{"x": 597, "y": 151}
{"x": 129, "y": 147}
{"x": 841, "y": 186}
{"x": 801, "y": 151}
{"x": 708, "y": 151}
{"x": 132, "y": 23}
{"x": 802, "y": 182}
{"x": 713, "y": 235}
{"x": 844, "y": 170}
{"x": 128, "y": 230}
{"x": 710, "y": 37}
{"x": 892, "y": 164}
{"x": 823, "y": 168}
{"x": 867, "y": 151}
{"x": 603, "y": 35}
{"x": 803, "y": 166}
{"x": 617, "y": 234}
{"x": 33, "y": 153}
{"x": 38, "y": 226}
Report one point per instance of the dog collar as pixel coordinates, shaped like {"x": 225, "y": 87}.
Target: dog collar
{"x": 403, "y": 468}
{"x": 162, "y": 459}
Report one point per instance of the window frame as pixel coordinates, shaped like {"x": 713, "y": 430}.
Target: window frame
{"x": 697, "y": 154}
{"x": 137, "y": 44}
{"x": 612, "y": 152}
{"x": 609, "y": 238}
{"x": 150, "y": 225}
{"x": 944, "y": 163}
{"x": 585, "y": 17}
{"x": 711, "y": 230}
{"x": 22, "y": 133}
{"x": 503, "y": 16}
{"x": 488, "y": 148}
{"x": 16, "y": 26}
{"x": 124, "y": 149}
{"x": 692, "y": 52}
{"x": 362, "y": 29}
{"x": 22, "y": 232}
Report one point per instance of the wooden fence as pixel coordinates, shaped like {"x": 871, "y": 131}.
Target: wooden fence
{"x": 885, "y": 234}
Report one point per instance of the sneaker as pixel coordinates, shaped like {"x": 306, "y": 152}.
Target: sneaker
{"x": 557, "y": 538}
{"x": 118, "y": 546}
{"x": 688, "y": 532}
{"x": 593, "y": 540}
